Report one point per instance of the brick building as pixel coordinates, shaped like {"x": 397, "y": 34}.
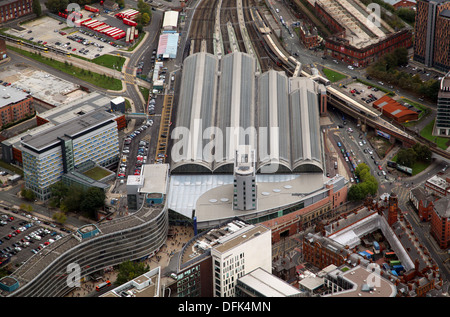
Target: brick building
{"x": 405, "y": 4}
{"x": 13, "y": 9}
{"x": 14, "y": 105}
{"x": 432, "y": 34}
{"x": 2, "y": 49}
{"x": 356, "y": 39}
{"x": 394, "y": 110}
{"x": 309, "y": 36}
{"x": 440, "y": 222}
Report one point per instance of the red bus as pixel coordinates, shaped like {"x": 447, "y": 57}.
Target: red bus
{"x": 103, "y": 285}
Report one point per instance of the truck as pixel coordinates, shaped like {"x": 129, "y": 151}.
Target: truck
{"x": 376, "y": 247}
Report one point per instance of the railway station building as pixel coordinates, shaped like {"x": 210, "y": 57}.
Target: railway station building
{"x": 226, "y": 107}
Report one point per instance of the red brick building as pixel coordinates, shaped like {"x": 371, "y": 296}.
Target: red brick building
{"x": 2, "y": 49}
{"x": 422, "y": 202}
{"x": 309, "y": 36}
{"x": 440, "y": 222}
{"x": 14, "y": 105}
{"x": 394, "y": 110}
{"x": 404, "y": 4}
{"x": 340, "y": 48}
{"x": 301, "y": 218}
{"x": 355, "y": 41}
{"x": 13, "y": 9}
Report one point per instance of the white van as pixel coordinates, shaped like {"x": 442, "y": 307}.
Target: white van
{"x": 278, "y": 11}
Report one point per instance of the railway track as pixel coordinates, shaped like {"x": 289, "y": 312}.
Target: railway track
{"x": 265, "y": 61}
{"x": 229, "y": 14}
{"x": 202, "y": 27}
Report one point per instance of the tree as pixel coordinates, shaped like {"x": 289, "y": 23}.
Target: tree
{"x": 93, "y": 200}
{"x": 26, "y": 207}
{"x": 356, "y": 193}
{"x": 72, "y": 200}
{"x": 37, "y": 8}
{"x": 129, "y": 270}
{"x": 55, "y": 6}
{"x": 145, "y": 18}
{"x": 406, "y": 157}
{"x": 59, "y": 217}
{"x": 423, "y": 152}
{"x": 58, "y": 191}
{"x": 28, "y": 194}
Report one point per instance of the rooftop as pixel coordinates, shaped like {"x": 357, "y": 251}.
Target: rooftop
{"x": 10, "y": 95}
{"x": 360, "y": 30}
{"x": 71, "y": 129}
{"x": 222, "y": 238}
{"x": 240, "y": 107}
{"x": 362, "y": 283}
{"x": 267, "y": 284}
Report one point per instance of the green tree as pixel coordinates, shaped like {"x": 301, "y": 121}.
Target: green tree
{"x": 72, "y": 200}
{"x": 145, "y": 18}
{"x": 406, "y": 157}
{"x": 129, "y": 270}
{"x": 37, "y": 8}
{"x": 356, "y": 193}
{"x": 27, "y": 194}
{"x": 55, "y": 6}
{"x": 94, "y": 199}
{"x": 59, "y": 217}
{"x": 58, "y": 191}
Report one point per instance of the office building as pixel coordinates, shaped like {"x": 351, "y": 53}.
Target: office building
{"x": 432, "y": 34}
{"x": 58, "y": 150}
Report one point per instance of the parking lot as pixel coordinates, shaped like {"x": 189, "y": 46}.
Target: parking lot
{"x": 53, "y": 33}
{"x": 425, "y": 74}
{"x": 362, "y": 93}
{"x": 22, "y": 235}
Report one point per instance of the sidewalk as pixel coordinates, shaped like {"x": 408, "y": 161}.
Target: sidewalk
{"x": 173, "y": 245}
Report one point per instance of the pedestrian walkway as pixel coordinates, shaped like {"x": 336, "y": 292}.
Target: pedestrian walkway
{"x": 177, "y": 238}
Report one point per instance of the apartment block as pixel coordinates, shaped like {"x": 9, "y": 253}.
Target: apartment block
{"x": 15, "y": 105}
{"x": 48, "y": 155}
{"x": 432, "y": 34}
{"x": 13, "y": 9}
